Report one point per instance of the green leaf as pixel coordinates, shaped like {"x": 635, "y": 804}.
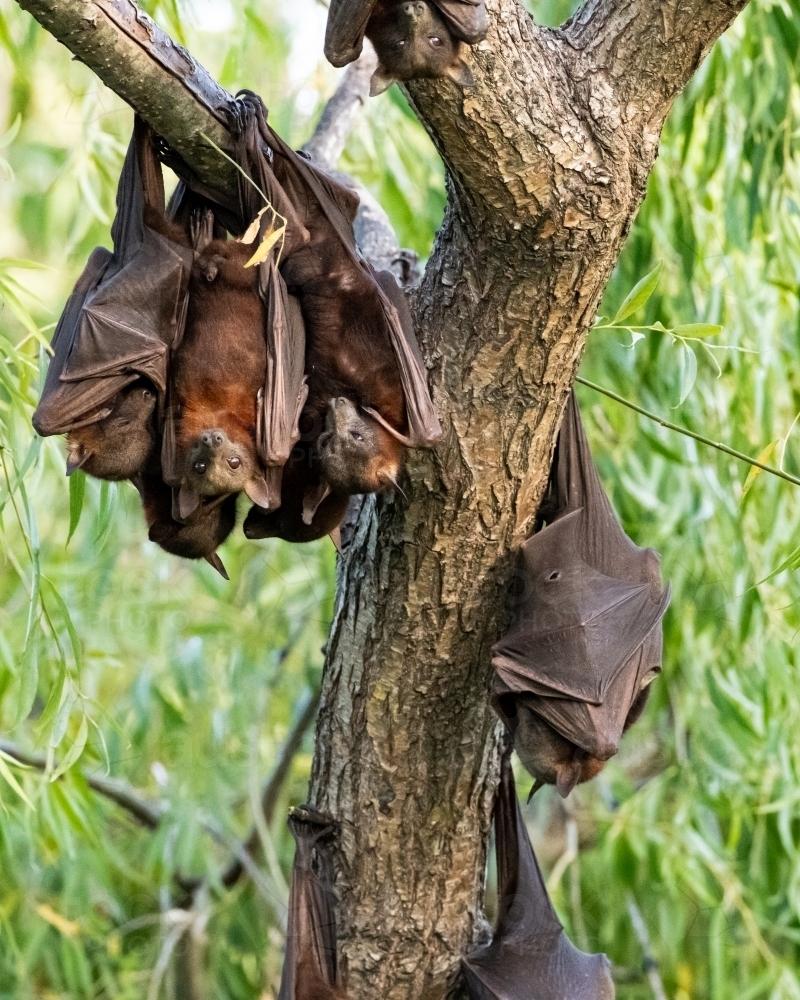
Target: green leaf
{"x": 755, "y": 472}
{"x": 8, "y": 775}
{"x": 77, "y": 491}
{"x": 688, "y": 371}
{"x": 45, "y": 722}
{"x": 108, "y": 502}
{"x": 28, "y": 681}
{"x": 639, "y": 294}
{"x": 74, "y": 751}
{"x": 697, "y": 330}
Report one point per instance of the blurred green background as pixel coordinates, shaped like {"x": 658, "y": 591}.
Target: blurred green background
{"x": 125, "y": 660}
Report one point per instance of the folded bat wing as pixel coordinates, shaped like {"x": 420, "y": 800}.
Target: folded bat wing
{"x": 586, "y": 635}
{"x": 125, "y": 310}
{"x": 466, "y": 19}
{"x": 530, "y": 957}
{"x": 339, "y": 204}
{"x": 344, "y": 33}
{"x": 309, "y": 965}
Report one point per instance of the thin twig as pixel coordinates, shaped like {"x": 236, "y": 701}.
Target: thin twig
{"x": 697, "y": 437}
{"x": 147, "y": 812}
{"x": 649, "y": 964}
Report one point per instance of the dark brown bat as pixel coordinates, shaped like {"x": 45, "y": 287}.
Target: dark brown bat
{"x": 530, "y": 957}
{"x": 572, "y": 672}
{"x": 309, "y": 965}
{"x": 200, "y": 535}
{"x": 414, "y": 39}
{"x": 116, "y": 329}
{"x": 367, "y": 382}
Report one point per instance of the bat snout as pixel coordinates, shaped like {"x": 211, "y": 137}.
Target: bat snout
{"x": 214, "y": 438}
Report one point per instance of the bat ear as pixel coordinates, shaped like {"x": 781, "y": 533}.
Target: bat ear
{"x": 567, "y": 777}
{"x": 312, "y": 500}
{"x": 76, "y": 457}
{"x": 460, "y": 73}
{"x": 379, "y": 82}
{"x": 188, "y": 502}
{"x": 215, "y": 561}
{"x": 257, "y": 490}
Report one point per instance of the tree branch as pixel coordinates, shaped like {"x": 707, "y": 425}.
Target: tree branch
{"x": 157, "y": 77}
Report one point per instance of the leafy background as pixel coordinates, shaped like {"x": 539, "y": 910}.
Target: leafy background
{"x": 116, "y": 658}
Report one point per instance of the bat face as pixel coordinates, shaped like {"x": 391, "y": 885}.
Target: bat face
{"x": 120, "y": 444}
{"x": 356, "y": 454}
{"x": 217, "y": 465}
{"x": 546, "y": 755}
{"x": 413, "y": 42}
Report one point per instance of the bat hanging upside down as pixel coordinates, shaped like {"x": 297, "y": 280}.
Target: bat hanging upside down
{"x": 414, "y": 39}
{"x": 572, "y": 674}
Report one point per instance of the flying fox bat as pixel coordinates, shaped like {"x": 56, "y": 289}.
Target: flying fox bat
{"x": 572, "y": 672}
{"x": 309, "y": 965}
{"x": 368, "y": 397}
{"x": 199, "y": 535}
{"x": 529, "y": 956}
{"x": 414, "y": 39}
{"x": 124, "y": 314}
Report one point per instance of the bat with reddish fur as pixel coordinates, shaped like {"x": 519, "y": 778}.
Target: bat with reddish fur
{"x": 572, "y": 672}
{"x": 368, "y": 399}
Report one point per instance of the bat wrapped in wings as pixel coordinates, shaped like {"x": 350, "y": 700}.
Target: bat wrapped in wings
{"x": 529, "y": 955}
{"x": 309, "y": 965}
{"x": 106, "y": 384}
{"x": 368, "y": 396}
{"x": 414, "y": 39}
{"x": 572, "y": 672}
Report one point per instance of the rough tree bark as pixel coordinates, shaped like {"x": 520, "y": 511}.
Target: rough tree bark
{"x": 547, "y": 162}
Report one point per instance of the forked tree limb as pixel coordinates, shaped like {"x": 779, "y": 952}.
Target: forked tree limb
{"x": 548, "y": 157}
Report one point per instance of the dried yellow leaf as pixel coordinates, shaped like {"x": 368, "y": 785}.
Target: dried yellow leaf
{"x": 252, "y": 229}
{"x": 267, "y": 244}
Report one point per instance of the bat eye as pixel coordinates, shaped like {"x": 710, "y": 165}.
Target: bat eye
{"x": 401, "y": 43}
{"x": 435, "y": 41}
{"x": 356, "y": 436}
{"x": 199, "y": 468}
{"x": 555, "y": 575}
{"x": 234, "y": 462}
{"x": 146, "y": 393}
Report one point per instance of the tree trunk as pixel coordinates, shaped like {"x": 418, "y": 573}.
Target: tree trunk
{"x": 547, "y": 159}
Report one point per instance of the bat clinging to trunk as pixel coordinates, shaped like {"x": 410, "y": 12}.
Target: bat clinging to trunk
{"x": 572, "y": 672}
{"x": 309, "y": 965}
{"x": 529, "y": 957}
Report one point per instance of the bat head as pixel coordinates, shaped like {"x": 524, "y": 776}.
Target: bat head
{"x": 413, "y": 42}
{"x": 120, "y": 442}
{"x": 217, "y": 465}
{"x": 546, "y": 755}
{"x": 356, "y": 454}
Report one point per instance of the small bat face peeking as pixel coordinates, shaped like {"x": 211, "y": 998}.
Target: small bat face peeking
{"x": 548, "y": 756}
{"x": 413, "y": 42}
{"x": 356, "y": 454}
{"x": 121, "y": 442}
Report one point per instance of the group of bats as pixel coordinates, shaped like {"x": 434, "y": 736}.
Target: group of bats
{"x": 571, "y": 674}
{"x": 280, "y": 365}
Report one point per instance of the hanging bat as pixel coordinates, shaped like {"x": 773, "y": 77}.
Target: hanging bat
{"x": 414, "y": 39}
{"x": 309, "y": 965}
{"x": 119, "y": 439}
{"x": 200, "y": 535}
{"x": 529, "y": 956}
{"x": 116, "y": 330}
{"x": 368, "y": 398}
{"x": 572, "y": 673}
